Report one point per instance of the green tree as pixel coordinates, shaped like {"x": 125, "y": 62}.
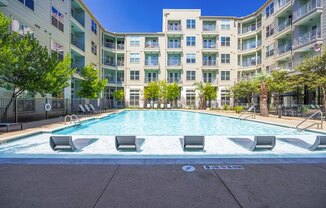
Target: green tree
{"x": 312, "y": 73}
{"x": 26, "y": 66}
{"x": 244, "y": 89}
{"x": 152, "y": 91}
{"x": 91, "y": 86}
{"x": 118, "y": 95}
{"x": 262, "y": 80}
{"x": 162, "y": 91}
{"x": 173, "y": 92}
{"x": 209, "y": 93}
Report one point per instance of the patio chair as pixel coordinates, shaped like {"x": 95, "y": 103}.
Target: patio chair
{"x": 148, "y": 105}
{"x": 62, "y": 143}
{"x": 193, "y": 143}
{"x": 11, "y": 124}
{"x": 263, "y": 142}
{"x": 162, "y": 105}
{"x": 125, "y": 143}
{"x": 320, "y": 143}
{"x": 88, "y": 109}
{"x": 168, "y": 106}
{"x": 82, "y": 109}
{"x": 155, "y": 105}
{"x": 93, "y": 109}
{"x": 312, "y": 106}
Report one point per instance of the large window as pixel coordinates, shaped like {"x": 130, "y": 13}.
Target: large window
{"x": 94, "y": 27}
{"x": 191, "y": 75}
{"x": 28, "y": 3}
{"x": 190, "y": 98}
{"x": 134, "y": 75}
{"x": 269, "y": 30}
{"x": 225, "y": 41}
{"x": 134, "y": 98}
{"x": 225, "y": 58}
{"x": 57, "y": 19}
{"x": 225, "y": 24}
{"x": 134, "y": 41}
{"x": 57, "y": 49}
{"x": 225, "y": 97}
{"x": 269, "y": 50}
{"x": 191, "y": 58}
{"x": 134, "y": 58}
{"x": 191, "y": 24}
{"x": 94, "y": 48}
{"x": 191, "y": 41}
{"x": 269, "y": 10}
{"x": 225, "y": 75}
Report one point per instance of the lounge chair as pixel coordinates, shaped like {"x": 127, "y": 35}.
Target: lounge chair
{"x": 263, "y": 142}
{"x": 162, "y": 106}
{"x": 125, "y": 143}
{"x": 193, "y": 143}
{"x": 320, "y": 143}
{"x": 168, "y": 106}
{"x": 89, "y": 110}
{"x": 93, "y": 109}
{"x": 11, "y": 124}
{"x": 148, "y": 105}
{"x": 312, "y": 106}
{"x": 155, "y": 105}
{"x": 62, "y": 143}
{"x": 82, "y": 109}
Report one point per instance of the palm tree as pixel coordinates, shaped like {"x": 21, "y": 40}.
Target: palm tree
{"x": 201, "y": 89}
{"x": 261, "y": 80}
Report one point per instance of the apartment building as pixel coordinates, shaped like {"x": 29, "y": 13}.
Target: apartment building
{"x": 191, "y": 48}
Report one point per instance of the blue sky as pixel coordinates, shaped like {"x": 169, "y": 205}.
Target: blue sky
{"x": 146, "y": 15}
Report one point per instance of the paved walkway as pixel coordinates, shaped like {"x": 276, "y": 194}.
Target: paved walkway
{"x": 162, "y": 186}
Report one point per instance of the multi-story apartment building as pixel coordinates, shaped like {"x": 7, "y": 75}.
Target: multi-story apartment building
{"x": 191, "y": 48}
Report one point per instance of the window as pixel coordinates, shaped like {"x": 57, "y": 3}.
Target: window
{"x": 94, "y": 27}
{"x": 191, "y": 58}
{"x": 208, "y": 77}
{"x": 134, "y": 41}
{"x": 269, "y": 30}
{"x": 57, "y": 49}
{"x": 151, "y": 77}
{"x": 269, "y": 10}
{"x": 134, "y": 98}
{"x": 191, "y": 41}
{"x": 94, "y": 48}
{"x": 225, "y": 97}
{"x": 191, "y": 24}
{"x": 225, "y": 41}
{"x": 191, "y": 75}
{"x": 134, "y": 75}
{"x": 269, "y": 50}
{"x": 225, "y": 58}
{"x": 57, "y": 19}
{"x": 28, "y": 3}
{"x": 190, "y": 97}
{"x": 134, "y": 58}
{"x": 225, "y": 75}
{"x": 225, "y": 24}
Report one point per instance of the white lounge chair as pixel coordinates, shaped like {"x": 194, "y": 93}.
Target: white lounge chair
{"x": 168, "y": 106}
{"x": 148, "y": 105}
{"x": 155, "y": 105}
{"x": 162, "y": 106}
{"x": 93, "y": 109}
{"x": 88, "y": 109}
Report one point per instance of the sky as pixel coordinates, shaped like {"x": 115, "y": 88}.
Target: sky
{"x": 146, "y": 15}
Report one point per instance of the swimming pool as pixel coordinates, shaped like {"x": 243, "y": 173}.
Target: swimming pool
{"x": 173, "y": 123}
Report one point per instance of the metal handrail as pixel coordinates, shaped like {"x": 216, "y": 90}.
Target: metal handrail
{"x": 318, "y": 124}
{"x": 73, "y": 118}
{"x": 66, "y": 117}
{"x": 252, "y": 108}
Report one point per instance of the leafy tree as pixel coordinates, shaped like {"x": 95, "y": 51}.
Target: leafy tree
{"x": 262, "y": 80}
{"x": 312, "y": 73}
{"x": 26, "y": 66}
{"x": 91, "y": 85}
{"x": 162, "y": 91}
{"x": 173, "y": 92}
{"x": 152, "y": 91}
{"x": 201, "y": 90}
{"x": 244, "y": 89}
{"x": 118, "y": 95}
{"x": 207, "y": 92}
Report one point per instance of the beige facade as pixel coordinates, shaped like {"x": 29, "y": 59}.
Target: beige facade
{"x": 191, "y": 48}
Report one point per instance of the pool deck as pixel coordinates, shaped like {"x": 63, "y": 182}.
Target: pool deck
{"x": 161, "y": 186}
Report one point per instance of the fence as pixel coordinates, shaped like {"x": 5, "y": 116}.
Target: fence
{"x": 26, "y": 110}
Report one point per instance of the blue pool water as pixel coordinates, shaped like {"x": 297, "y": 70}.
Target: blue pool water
{"x": 173, "y": 123}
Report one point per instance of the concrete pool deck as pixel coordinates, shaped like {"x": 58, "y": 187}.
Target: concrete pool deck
{"x": 162, "y": 186}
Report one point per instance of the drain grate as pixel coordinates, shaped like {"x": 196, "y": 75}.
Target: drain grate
{"x": 223, "y": 167}
{"x": 188, "y": 168}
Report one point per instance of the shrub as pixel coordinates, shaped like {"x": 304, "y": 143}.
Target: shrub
{"x": 225, "y": 107}
{"x": 238, "y": 109}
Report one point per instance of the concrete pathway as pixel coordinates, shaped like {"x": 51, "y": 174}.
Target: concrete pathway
{"x": 160, "y": 186}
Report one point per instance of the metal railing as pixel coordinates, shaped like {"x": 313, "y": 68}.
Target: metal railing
{"x": 174, "y": 28}
{"x": 283, "y": 25}
{"x": 250, "y": 28}
{"x": 209, "y": 45}
{"x": 250, "y": 45}
{"x": 109, "y": 45}
{"x": 209, "y": 63}
{"x": 175, "y": 80}
{"x": 209, "y": 28}
{"x": 306, "y": 9}
{"x": 151, "y": 45}
{"x": 252, "y": 62}
{"x": 120, "y": 46}
{"x": 319, "y": 125}
{"x": 252, "y": 110}
{"x": 174, "y": 45}
{"x": 78, "y": 42}
{"x": 151, "y": 62}
{"x": 307, "y": 38}
{"x": 174, "y": 62}
{"x": 281, "y": 4}
{"x": 78, "y": 16}
{"x": 284, "y": 49}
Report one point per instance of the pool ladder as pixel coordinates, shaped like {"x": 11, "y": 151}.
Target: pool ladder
{"x": 318, "y": 124}
{"x": 72, "y": 119}
{"x": 253, "y": 115}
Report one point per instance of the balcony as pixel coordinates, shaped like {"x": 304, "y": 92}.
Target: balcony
{"x": 306, "y": 9}
{"x": 151, "y": 79}
{"x": 251, "y": 63}
{"x": 250, "y": 46}
{"x": 174, "y": 45}
{"x": 282, "y": 4}
{"x": 151, "y": 63}
{"x": 209, "y": 80}
{"x": 249, "y": 29}
{"x": 78, "y": 16}
{"x": 110, "y": 45}
{"x": 283, "y": 26}
{"x": 209, "y": 45}
{"x": 175, "y": 80}
{"x": 120, "y": 63}
{"x": 174, "y": 28}
{"x": 78, "y": 42}
{"x": 284, "y": 49}
{"x": 78, "y": 67}
{"x": 209, "y": 63}
{"x": 109, "y": 62}
{"x": 307, "y": 38}
{"x": 209, "y": 28}
{"x": 151, "y": 45}
{"x": 120, "y": 46}
{"x": 284, "y": 66}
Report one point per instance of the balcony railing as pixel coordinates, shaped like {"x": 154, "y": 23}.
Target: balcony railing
{"x": 283, "y": 25}
{"x": 108, "y": 62}
{"x": 109, "y": 45}
{"x": 247, "y": 78}
{"x": 209, "y": 28}
{"x": 281, "y": 4}
{"x": 78, "y": 16}
{"x": 305, "y": 9}
{"x": 151, "y": 62}
{"x": 209, "y": 45}
{"x": 252, "y": 62}
{"x": 120, "y": 46}
{"x": 174, "y": 80}
{"x": 252, "y": 45}
{"x": 151, "y": 45}
{"x": 77, "y": 67}
{"x": 250, "y": 28}
{"x": 307, "y": 38}
{"x": 209, "y": 63}
{"x": 285, "y": 66}
{"x": 174, "y": 62}
{"x": 209, "y": 80}
{"x": 120, "y": 63}
{"x": 78, "y": 43}
{"x": 174, "y": 45}
{"x": 152, "y": 79}
{"x": 174, "y": 28}
{"x": 284, "y": 49}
